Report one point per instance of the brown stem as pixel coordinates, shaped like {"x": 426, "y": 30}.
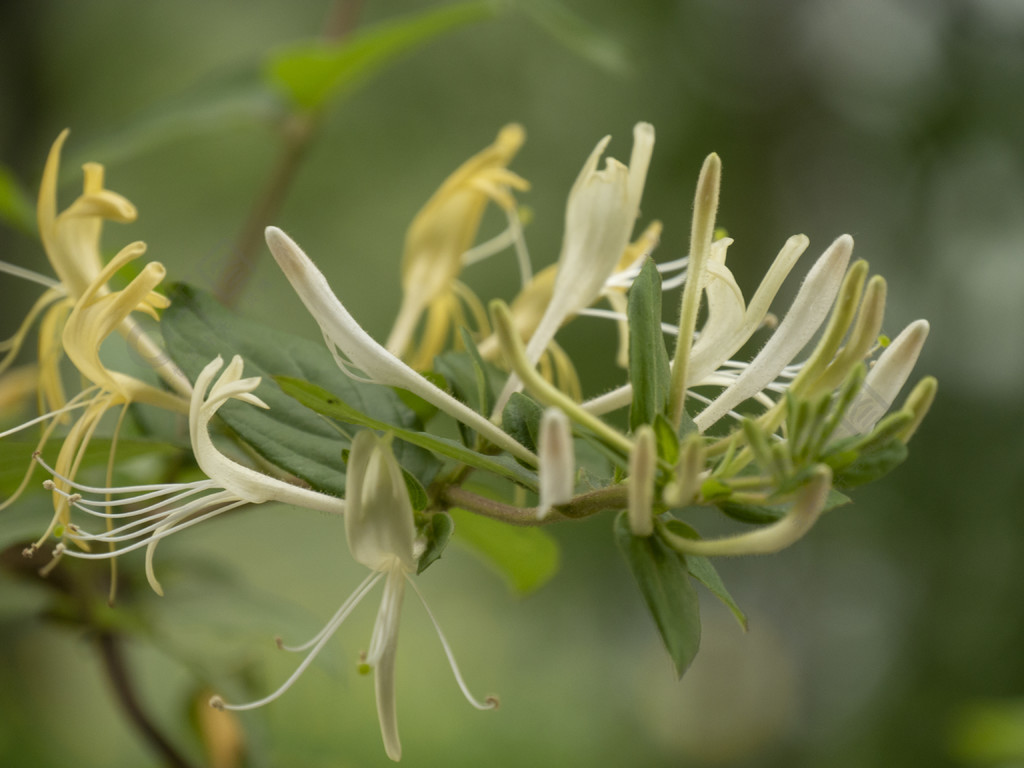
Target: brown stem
{"x": 298, "y": 134}
{"x": 584, "y": 505}
{"x": 112, "y": 653}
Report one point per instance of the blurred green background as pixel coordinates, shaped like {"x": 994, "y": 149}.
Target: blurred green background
{"x": 892, "y": 635}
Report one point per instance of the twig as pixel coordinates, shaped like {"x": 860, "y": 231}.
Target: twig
{"x": 112, "y": 653}
{"x": 298, "y": 134}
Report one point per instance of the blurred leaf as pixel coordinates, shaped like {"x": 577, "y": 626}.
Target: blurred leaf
{"x": 15, "y": 456}
{"x": 320, "y": 400}
{"x": 577, "y": 34}
{"x": 312, "y": 73}
{"x": 990, "y": 733}
{"x": 705, "y": 572}
{"x": 219, "y": 108}
{"x": 438, "y": 531}
{"x": 526, "y": 557}
{"x": 16, "y": 207}
{"x": 288, "y": 435}
{"x": 648, "y": 358}
{"x": 664, "y": 580}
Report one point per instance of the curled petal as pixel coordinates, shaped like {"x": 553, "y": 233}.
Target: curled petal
{"x": 342, "y": 331}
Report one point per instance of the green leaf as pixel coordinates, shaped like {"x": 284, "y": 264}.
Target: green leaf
{"x": 438, "y": 532}
{"x": 755, "y": 514}
{"x": 521, "y": 419}
{"x": 16, "y": 207}
{"x": 320, "y": 400}
{"x": 424, "y": 411}
{"x": 417, "y": 493}
{"x": 312, "y": 73}
{"x": 16, "y": 455}
{"x": 668, "y": 440}
{"x": 525, "y": 557}
{"x": 871, "y": 465}
{"x": 764, "y": 514}
{"x": 704, "y": 571}
{"x": 198, "y": 329}
{"x": 473, "y": 381}
{"x": 648, "y": 358}
{"x": 664, "y": 580}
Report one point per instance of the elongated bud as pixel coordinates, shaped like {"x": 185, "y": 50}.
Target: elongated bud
{"x": 643, "y": 464}
{"x": 862, "y": 336}
{"x": 919, "y": 401}
{"x": 806, "y": 508}
{"x": 885, "y": 379}
{"x": 705, "y": 206}
{"x": 557, "y": 461}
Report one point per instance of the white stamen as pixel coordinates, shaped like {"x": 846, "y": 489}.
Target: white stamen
{"x": 491, "y": 702}
{"x": 318, "y": 643}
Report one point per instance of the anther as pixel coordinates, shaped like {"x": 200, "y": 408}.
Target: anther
{"x": 217, "y": 703}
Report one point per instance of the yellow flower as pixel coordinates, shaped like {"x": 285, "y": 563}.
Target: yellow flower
{"x": 71, "y": 241}
{"x": 94, "y": 317}
{"x": 438, "y": 239}
{"x": 79, "y": 311}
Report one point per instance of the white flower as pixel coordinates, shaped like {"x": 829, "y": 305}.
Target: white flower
{"x": 557, "y": 461}
{"x": 381, "y": 536}
{"x": 805, "y": 316}
{"x": 884, "y": 381}
{"x": 730, "y": 324}
{"x": 171, "y": 507}
{"x": 352, "y": 346}
{"x": 599, "y": 217}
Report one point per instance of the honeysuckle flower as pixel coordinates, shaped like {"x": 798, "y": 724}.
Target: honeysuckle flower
{"x": 599, "y": 218}
{"x": 557, "y": 461}
{"x": 71, "y": 240}
{"x": 439, "y": 237}
{"x": 808, "y": 311}
{"x": 354, "y": 347}
{"x": 93, "y": 317}
{"x": 702, "y": 360}
{"x": 530, "y": 304}
{"x": 143, "y": 515}
{"x": 884, "y": 380}
{"x": 381, "y": 535}
{"x": 730, "y": 325}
